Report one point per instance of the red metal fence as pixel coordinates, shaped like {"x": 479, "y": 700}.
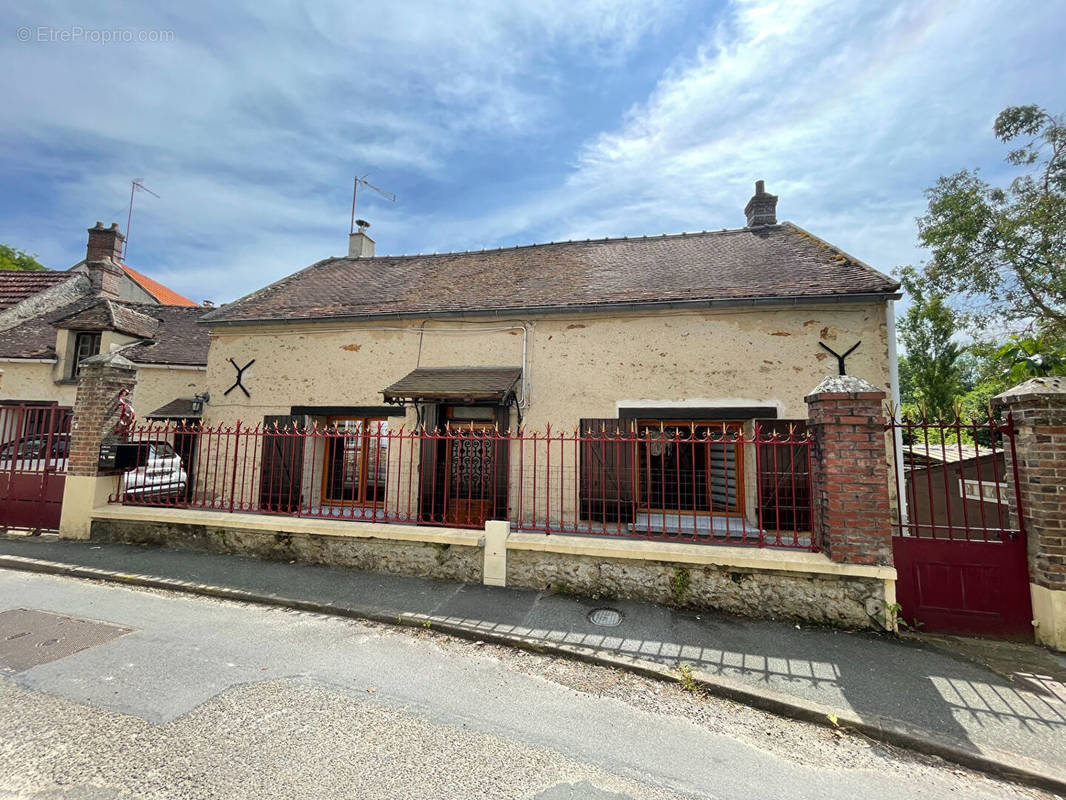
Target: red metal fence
{"x": 959, "y": 546}
{"x": 34, "y": 440}
{"x": 954, "y": 482}
{"x": 686, "y": 482}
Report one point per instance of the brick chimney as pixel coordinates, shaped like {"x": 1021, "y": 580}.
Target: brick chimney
{"x": 103, "y": 257}
{"x": 359, "y": 244}
{"x": 762, "y": 208}
{"x": 105, "y": 244}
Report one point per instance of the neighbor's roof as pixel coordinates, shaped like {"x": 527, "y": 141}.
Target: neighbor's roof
{"x": 17, "y": 285}
{"x": 108, "y": 315}
{"x": 164, "y": 294}
{"x": 920, "y": 455}
{"x": 773, "y": 261}
{"x": 465, "y": 384}
{"x": 178, "y": 339}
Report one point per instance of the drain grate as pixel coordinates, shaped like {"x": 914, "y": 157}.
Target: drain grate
{"x": 29, "y": 637}
{"x": 605, "y": 617}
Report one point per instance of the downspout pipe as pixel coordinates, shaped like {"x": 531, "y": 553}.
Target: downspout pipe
{"x": 893, "y": 387}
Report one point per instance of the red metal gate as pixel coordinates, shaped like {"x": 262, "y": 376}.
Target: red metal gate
{"x": 34, "y": 441}
{"x": 959, "y": 548}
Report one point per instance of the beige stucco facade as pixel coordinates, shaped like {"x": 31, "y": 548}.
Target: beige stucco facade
{"x": 46, "y": 381}
{"x": 575, "y": 366}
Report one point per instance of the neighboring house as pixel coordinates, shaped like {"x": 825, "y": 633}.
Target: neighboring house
{"x": 954, "y": 487}
{"x": 52, "y": 320}
{"x": 683, "y": 335}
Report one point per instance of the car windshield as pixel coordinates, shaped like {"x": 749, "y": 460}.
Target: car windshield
{"x": 160, "y": 450}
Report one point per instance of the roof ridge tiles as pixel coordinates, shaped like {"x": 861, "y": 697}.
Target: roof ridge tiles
{"x": 732, "y": 264}
{"x": 532, "y": 245}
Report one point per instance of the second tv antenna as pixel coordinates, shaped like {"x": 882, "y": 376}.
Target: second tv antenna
{"x": 355, "y": 191}
{"x": 135, "y": 184}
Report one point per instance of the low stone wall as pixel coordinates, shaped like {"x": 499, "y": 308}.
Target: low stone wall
{"x": 398, "y": 557}
{"x": 774, "y": 594}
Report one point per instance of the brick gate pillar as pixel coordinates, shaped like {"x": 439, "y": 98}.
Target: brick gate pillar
{"x": 96, "y": 412}
{"x": 1039, "y": 410}
{"x": 849, "y": 470}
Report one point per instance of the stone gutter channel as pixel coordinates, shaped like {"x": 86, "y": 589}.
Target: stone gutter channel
{"x": 1011, "y": 766}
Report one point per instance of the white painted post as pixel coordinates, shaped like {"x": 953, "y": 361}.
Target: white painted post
{"x": 496, "y": 533}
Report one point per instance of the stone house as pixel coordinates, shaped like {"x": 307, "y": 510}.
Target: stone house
{"x": 691, "y": 336}
{"x": 51, "y": 320}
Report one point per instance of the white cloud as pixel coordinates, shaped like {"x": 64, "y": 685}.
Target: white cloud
{"x": 251, "y": 122}
{"x": 848, "y": 110}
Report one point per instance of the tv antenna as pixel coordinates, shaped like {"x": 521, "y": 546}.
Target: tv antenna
{"x": 135, "y": 184}
{"x": 355, "y": 190}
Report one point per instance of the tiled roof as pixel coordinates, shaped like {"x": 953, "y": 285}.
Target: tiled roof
{"x": 454, "y": 383}
{"x": 111, "y": 315}
{"x": 178, "y": 339}
{"x": 748, "y": 263}
{"x": 164, "y": 294}
{"x": 17, "y": 285}
{"x": 180, "y": 408}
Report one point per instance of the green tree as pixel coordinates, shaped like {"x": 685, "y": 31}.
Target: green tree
{"x": 13, "y": 259}
{"x": 1004, "y": 250}
{"x": 931, "y": 375}
{"x": 1032, "y": 357}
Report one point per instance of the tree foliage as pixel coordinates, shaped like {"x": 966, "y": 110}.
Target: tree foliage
{"x": 1004, "y": 250}
{"x": 12, "y": 258}
{"x": 1032, "y": 357}
{"x": 931, "y": 372}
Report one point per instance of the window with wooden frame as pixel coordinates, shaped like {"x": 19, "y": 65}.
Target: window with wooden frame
{"x": 86, "y": 344}
{"x": 356, "y": 461}
{"x": 690, "y": 466}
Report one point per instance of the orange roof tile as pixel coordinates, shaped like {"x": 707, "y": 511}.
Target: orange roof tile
{"x": 164, "y": 295}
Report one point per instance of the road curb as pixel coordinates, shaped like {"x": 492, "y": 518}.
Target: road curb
{"x": 884, "y": 729}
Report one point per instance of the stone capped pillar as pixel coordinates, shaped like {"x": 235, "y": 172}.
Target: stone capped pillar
{"x": 96, "y": 413}
{"x": 1038, "y": 408}
{"x": 849, "y": 470}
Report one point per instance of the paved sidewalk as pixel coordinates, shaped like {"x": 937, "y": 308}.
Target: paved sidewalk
{"x": 909, "y": 691}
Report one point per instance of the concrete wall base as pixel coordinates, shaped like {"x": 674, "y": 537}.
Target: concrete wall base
{"x": 854, "y": 602}
{"x": 1049, "y": 616}
{"x": 398, "y": 557}
{"x": 766, "y": 583}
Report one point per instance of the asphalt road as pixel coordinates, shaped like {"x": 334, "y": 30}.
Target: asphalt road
{"x": 188, "y": 697}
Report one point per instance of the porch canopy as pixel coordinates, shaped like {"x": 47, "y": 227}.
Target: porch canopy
{"x": 456, "y": 385}
{"x": 179, "y": 409}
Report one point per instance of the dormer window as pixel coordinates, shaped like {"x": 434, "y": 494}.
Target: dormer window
{"x": 85, "y": 345}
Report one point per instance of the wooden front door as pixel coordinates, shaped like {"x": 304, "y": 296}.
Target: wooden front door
{"x": 470, "y": 473}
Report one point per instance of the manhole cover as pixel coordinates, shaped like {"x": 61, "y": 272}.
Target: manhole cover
{"x": 606, "y": 617}
{"x": 29, "y": 637}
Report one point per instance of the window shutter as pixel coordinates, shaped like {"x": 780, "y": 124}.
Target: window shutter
{"x": 606, "y": 480}
{"x": 281, "y": 478}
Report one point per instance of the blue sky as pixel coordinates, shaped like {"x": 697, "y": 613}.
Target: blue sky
{"x": 496, "y": 123}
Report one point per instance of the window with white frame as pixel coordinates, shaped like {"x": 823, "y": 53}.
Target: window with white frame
{"x": 988, "y": 491}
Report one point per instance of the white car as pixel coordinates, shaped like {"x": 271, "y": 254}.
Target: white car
{"x": 162, "y": 474}
{"x": 32, "y": 454}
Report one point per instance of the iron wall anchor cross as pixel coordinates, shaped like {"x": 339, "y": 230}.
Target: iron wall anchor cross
{"x": 840, "y": 358}
{"x": 240, "y": 374}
